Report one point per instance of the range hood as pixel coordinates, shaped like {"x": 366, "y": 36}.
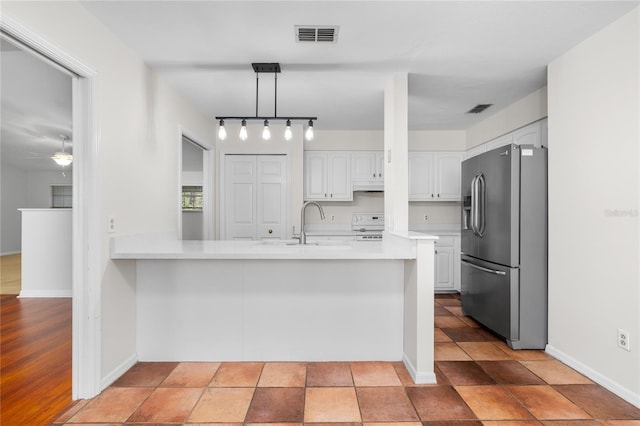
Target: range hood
{"x": 375, "y": 185}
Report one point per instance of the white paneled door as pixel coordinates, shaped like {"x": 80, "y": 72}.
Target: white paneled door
{"x": 255, "y": 200}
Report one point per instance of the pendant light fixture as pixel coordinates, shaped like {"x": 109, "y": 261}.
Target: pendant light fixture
{"x": 62, "y": 158}
{"x": 266, "y": 68}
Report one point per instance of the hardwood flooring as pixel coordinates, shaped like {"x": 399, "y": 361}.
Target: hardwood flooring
{"x": 35, "y": 366}
{"x": 10, "y": 274}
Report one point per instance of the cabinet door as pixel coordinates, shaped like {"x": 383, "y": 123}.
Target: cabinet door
{"x": 528, "y": 135}
{"x": 315, "y": 175}
{"x": 447, "y": 176}
{"x": 380, "y": 164}
{"x": 500, "y": 141}
{"x": 239, "y": 203}
{"x": 271, "y": 196}
{"x": 443, "y": 268}
{"x": 421, "y": 176}
{"x": 339, "y": 176}
{"x": 363, "y": 165}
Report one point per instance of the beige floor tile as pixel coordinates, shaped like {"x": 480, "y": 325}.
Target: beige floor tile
{"x": 191, "y": 374}
{"x": 492, "y": 403}
{"x": 283, "y": 375}
{"x": 221, "y": 405}
{"x": 439, "y": 336}
{"x": 374, "y": 374}
{"x": 546, "y": 403}
{"x": 484, "y": 351}
{"x": 112, "y": 405}
{"x": 555, "y": 373}
{"x": 237, "y": 374}
{"x": 331, "y": 405}
{"x": 449, "y": 352}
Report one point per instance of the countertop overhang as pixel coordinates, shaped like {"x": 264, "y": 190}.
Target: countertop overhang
{"x": 398, "y": 246}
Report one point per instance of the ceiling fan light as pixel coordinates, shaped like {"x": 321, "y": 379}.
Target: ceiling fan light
{"x": 222, "y": 132}
{"x": 308, "y": 134}
{"x": 62, "y": 158}
{"x": 288, "y": 134}
{"x": 243, "y": 131}
{"x": 266, "y": 133}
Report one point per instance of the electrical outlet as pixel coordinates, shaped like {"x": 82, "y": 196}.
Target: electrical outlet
{"x": 425, "y": 217}
{"x": 624, "y": 340}
{"x": 111, "y": 225}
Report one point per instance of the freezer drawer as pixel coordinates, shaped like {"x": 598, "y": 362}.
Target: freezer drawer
{"x": 489, "y": 294}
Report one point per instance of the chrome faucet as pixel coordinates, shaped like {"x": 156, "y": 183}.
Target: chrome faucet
{"x": 303, "y": 235}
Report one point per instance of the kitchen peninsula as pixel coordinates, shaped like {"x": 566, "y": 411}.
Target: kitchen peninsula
{"x": 275, "y": 301}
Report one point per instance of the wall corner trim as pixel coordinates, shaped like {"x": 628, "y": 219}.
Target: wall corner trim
{"x": 115, "y": 374}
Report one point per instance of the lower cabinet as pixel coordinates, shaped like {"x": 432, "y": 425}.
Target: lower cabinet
{"x": 447, "y": 264}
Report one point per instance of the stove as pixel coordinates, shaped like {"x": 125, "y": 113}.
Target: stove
{"x": 368, "y": 226}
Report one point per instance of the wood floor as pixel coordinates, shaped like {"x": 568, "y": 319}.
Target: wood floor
{"x": 35, "y": 366}
{"x": 10, "y": 274}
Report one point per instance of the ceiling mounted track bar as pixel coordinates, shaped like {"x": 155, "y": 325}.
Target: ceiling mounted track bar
{"x": 265, "y": 118}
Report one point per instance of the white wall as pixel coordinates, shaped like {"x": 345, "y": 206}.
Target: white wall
{"x": 531, "y": 108}
{"x": 39, "y": 187}
{"x": 594, "y": 119}
{"x": 138, "y": 118}
{"x": 14, "y": 196}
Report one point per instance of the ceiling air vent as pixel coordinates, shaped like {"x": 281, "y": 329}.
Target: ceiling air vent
{"x": 316, "y": 34}
{"x": 478, "y": 108}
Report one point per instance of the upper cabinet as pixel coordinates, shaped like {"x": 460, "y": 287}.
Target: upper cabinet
{"x": 434, "y": 176}
{"x": 532, "y": 134}
{"x": 367, "y": 165}
{"x": 327, "y": 176}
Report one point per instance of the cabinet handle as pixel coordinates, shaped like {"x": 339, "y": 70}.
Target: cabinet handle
{"x": 438, "y": 195}
{"x": 325, "y": 195}
{"x": 431, "y": 195}
{"x": 331, "y": 195}
{"x": 374, "y": 175}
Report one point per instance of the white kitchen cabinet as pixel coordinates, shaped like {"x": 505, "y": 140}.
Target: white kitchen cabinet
{"x": 434, "y": 176}
{"x": 327, "y": 176}
{"x": 528, "y": 135}
{"x": 447, "y": 263}
{"x": 367, "y": 165}
{"x": 500, "y": 141}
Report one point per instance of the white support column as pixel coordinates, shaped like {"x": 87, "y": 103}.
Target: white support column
{"x": 396, "y": 153}
{"x": 418, "y": 311}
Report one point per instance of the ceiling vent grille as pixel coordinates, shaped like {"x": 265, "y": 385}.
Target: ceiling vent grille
{"x": 315, "y": 34}
{"x": 478, "y": 108}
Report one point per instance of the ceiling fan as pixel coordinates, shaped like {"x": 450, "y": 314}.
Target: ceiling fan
{"x": 62, "y": 158}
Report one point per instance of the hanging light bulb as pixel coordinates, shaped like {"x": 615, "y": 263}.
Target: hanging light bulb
{"x": 266, "y": 133}
{"x": 62, "y": 158}
{"x": 308, "y": 135}
{"x": 243, "y": 131}
{"x": 288, "y": 134}
{"x": 222, "y": 132}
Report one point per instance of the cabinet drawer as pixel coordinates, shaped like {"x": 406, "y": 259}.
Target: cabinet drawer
{"x": 445, "y": 241}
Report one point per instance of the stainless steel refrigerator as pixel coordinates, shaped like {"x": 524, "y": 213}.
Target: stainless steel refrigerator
{"x": 504, "y": 243}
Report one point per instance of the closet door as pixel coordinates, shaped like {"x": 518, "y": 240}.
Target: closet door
{"x": 240, "y": 197}
{"x": 271, "y": 196}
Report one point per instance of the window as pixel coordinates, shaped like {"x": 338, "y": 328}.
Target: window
{"x": 61, "y": 196}
{"x": 192, "y": 198}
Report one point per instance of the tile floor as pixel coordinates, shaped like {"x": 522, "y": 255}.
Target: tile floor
{"x": 480, "y": 382}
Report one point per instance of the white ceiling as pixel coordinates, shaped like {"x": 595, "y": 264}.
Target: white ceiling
{"x": 457, "y": 54}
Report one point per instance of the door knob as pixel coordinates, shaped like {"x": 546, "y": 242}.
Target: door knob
{"x": 270, "y": 231}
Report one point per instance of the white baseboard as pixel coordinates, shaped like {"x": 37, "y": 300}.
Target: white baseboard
{"x": 119, "y": 371}
{"x": 44, "y": 293}
{"x": 418, "y": 378}
{"x": 8, "y": 253}
{"x": 597, "y": 377}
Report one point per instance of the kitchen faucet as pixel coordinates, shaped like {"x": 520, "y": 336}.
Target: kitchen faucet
{"x": 303, "y": 235}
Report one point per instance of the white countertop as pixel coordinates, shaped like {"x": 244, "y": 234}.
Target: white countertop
{"x": 162, "y": 247}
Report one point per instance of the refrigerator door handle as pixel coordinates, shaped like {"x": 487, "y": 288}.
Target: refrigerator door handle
{"x": 482, "y": 191}
{"x": 491, "y": 271}
{"x": 474, "y": 202}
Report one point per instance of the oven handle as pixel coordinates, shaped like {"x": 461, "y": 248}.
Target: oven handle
{"x": 491, "y": 271}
